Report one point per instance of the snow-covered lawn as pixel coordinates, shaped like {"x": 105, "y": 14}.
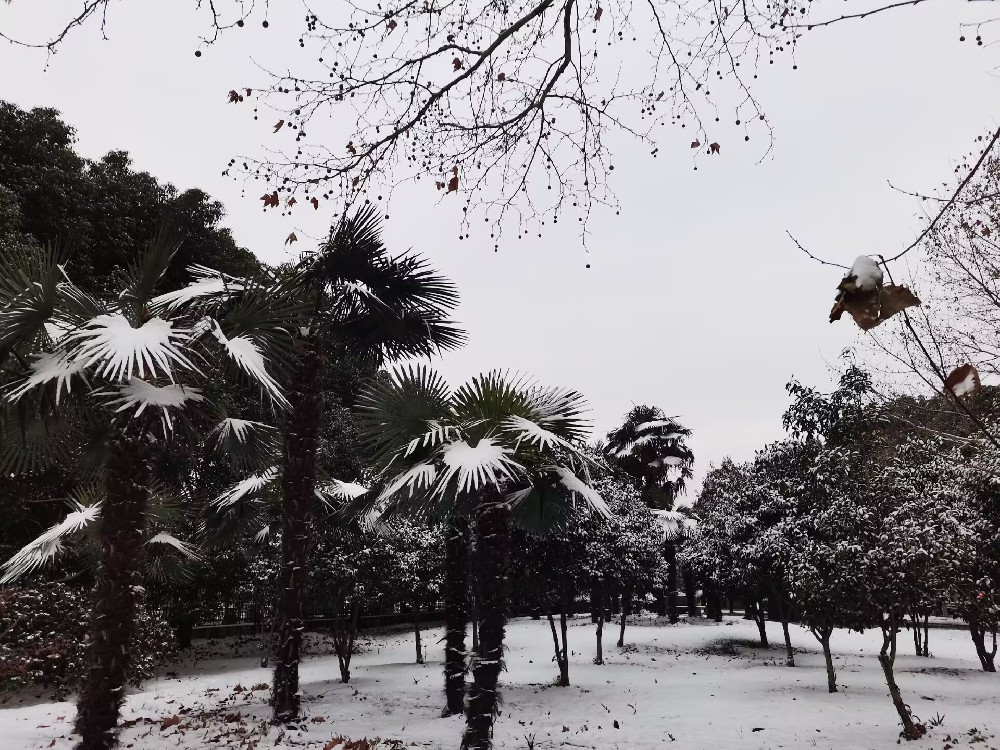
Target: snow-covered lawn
{"x": 697, "y": 685}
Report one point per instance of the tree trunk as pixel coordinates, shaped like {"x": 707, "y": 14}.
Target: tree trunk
{"x": 823, "y": 636}
{"x": 626, "y": 611}
{"x": 887, "y": 657}
{"x": 456, "y": 611}
{"x": 599, "y": 589}
{"x": 343, "y": 639}
{"x": 564, "y": 605}
{"x": 783, "y": 615}
{"x": 298, "y": 484}
{"x": 493, "y": 519}
{"x": 115, "y": 598}
{"x": 757, "y": 614}
{"x": 927, "y": 635}
{"x": 416, "y": 631}
{"x": 671, "y": 554}
{"x": 593, "y": 603}
{"x": 986, "y": 658}
{"x": 690, "y": 593}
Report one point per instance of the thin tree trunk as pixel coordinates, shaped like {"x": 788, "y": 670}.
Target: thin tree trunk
{"x": 416, "y": 631}
{"x": 757, "y": 614}
{"x": 927, "y": 635}
{"x": 783, "y": 615}
{"x": 671, "y": 554}
{"x": 599, "y": 589}
{"x": 887, "y": 657}
{"x": 298, "y": 503}
{"x": 823, "y": 636}
{"x": 918, "y": 645}
{"x": 690, "y": 593}
{"x": 115, "y": 598}
{"x": 493, "y": 520}
{"x": 593, "y": 603}
{"x": 564, "y": 605}
{"x": 456, "y": 611}
{"x": 986, "y": 657}
{"x": 626, "y": 611}
{"x": 344, "y": 640}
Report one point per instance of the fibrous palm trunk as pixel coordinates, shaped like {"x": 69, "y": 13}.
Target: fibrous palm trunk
{"x": 115, "y": 598}
{"x": 493, "y": 520}
{"x": 456, "y": 611}
{"x": 298, "y": 505}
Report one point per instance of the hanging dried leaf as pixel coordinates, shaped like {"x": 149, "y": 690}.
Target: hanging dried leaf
{"x": 392, "y": 25}
{"x": 249, "y": 91}
{"x": 695, "y": 143}
{"x": 502, "y": 77}
{"x": 598, "y": 13}
{"x": 963, "y": 380}
{"x": 457, "y": 64}
{"x": 315, "y": 202}
{"x": 350, "y": 147}
{"x": 291, "y": 202}
{"x": 291, "y": 238}
{"x": 270, "y": 200}
{"x": 278, "y": 125}
{"x": 862, "y": 295}
{"x": 714, "y": 148}
{"x": 234, "y": 97}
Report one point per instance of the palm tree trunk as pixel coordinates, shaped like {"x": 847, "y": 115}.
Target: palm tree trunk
{"x": 298, "y": 505}
{"x": 456, "y": 611}
{"x": 493, "y": 520}
{"x": 115, "y": 598}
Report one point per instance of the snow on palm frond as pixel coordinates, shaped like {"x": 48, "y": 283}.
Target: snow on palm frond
{"x": 49, "y": 545}
{"x": 246, "y": 444}
{"x": 336, "y": 490}
{"x": 577, "y": 486}
{"x": 48, "y": 367}
{"x": 417, "y": 478}
{"x": 553, "y": 403}
{"x": 474, "y": 467}
{"x": 250, "y": 485}
{"x": 263, "y": 533}
{"x": 437, "y": 433}
{"x": 518, "y": 496}
{"x": 185, "y": 548}
{"x": 654, "y": 425}
{"x": 208, "y": 283}
{"x": 247, "y": 355}
{"x": 674, "y": 524}
{"x": 140, "y": 394}
{"x": 118, "y": 351}
{"x": 532, "y": 433}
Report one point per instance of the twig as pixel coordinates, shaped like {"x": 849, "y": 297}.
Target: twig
{"x": 818, "y": 260}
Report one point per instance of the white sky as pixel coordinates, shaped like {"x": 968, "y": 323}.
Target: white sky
{"x": 696, "y": 301}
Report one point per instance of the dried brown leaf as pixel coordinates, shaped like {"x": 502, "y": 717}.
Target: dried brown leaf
{"x": 963, "y": 380}
{"x": 278, "y": 125}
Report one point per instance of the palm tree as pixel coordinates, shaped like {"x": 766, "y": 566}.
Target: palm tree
{"x": 113, "y": 385}
{"x": 362, "y": 301}
{"x": 651, "y": 448}
{"x": 498, "y": 446}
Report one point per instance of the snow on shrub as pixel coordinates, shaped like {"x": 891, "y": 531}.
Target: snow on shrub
{"x": 43, "y": 638}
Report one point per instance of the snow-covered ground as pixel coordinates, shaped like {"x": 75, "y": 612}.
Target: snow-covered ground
{"x": 692, "y": 685}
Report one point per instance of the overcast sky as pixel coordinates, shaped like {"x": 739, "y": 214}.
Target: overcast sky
{"x": 695, "y": 300}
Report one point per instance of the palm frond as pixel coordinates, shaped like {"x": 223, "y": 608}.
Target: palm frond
{"x": 118, "y": 351}
{"x": 144, "y": 274}
{"x": 209, "y": 284}
{"x": 29, "y": 282}
{"x": 399, "y": 407}
{"x": 246, "y": 354}
{"x": 48, "y": 546}
{"x": 249, "y": 486}
{"x": 245, "y": 444}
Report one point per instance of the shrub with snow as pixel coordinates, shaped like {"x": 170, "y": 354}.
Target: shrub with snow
{"x": 43, "y": 637}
